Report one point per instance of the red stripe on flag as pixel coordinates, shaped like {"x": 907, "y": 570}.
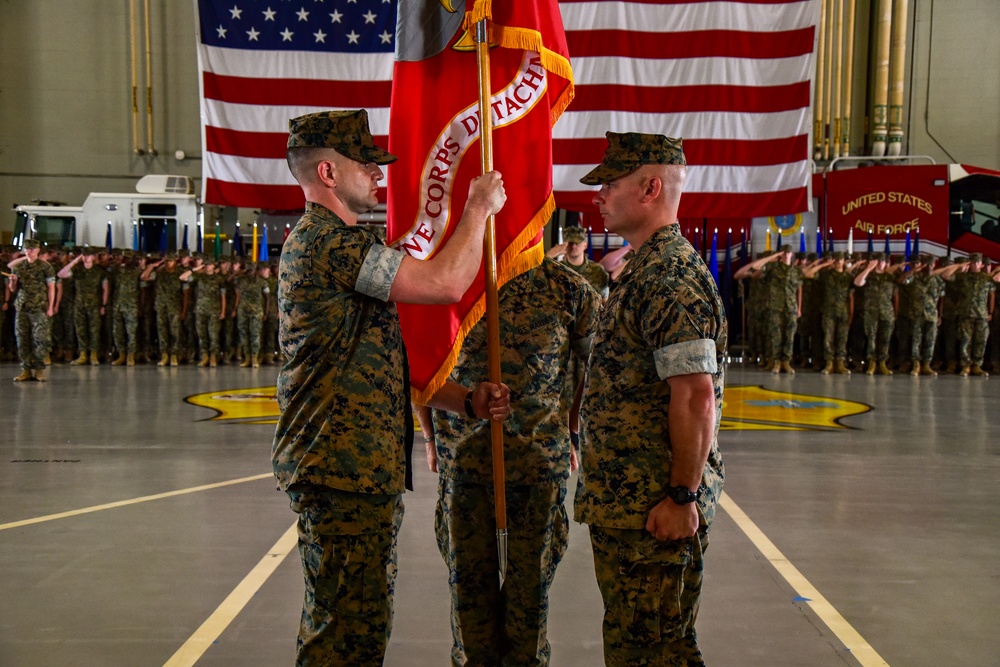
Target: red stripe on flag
{"x": 700, "y": 204}
{"x": 693, "y": 44}
{"x": 698, "y": 151}
{"x": 269, "y": 145}
{"x": 688, "y": 99}
{"x": 297, "y": 92}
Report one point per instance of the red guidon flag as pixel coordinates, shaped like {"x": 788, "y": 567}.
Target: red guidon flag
{"x": 434, "y": 130}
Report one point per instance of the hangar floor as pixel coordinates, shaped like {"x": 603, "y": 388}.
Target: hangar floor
{"x": 138, "y": 528}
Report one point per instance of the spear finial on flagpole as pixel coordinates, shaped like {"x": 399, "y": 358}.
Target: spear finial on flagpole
{"x": 492, "y": 313}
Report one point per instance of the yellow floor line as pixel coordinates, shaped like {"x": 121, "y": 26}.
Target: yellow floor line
{"x": 855, "y": 643}
{"x": 133, "y": 501}
{"x": 202, "y": 639}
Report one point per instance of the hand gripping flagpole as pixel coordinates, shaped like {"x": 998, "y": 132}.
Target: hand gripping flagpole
{"x": 492, "y": 313}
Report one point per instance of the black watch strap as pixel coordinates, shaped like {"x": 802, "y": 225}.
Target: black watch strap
{"x": 681, "y": 495}
{"x": 470, "y": 411}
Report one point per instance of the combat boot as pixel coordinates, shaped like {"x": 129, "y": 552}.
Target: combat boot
{"x": 246, "y": 362}
{"x": 95, "y": 360}
{"x": 926, "y": 369}
{"x": 24, "y": 376}
{"x": 119, "y": 360}
{"x": 787, "y": 367}
{"x": 204, "y": 360}
{"x": 883, "y": 369}
{"x": 267, "y": 359}
{"x": 840, "y": 368}
{"x": 174, "y": 361}
{"x": 978, "y": 371}
{"x": 828, "y": 368}
{"x": 164, "y": 360}
{"x": 130, "y": 359}
{"x": 255, "y": 360}
{"x": 40, "y": 375}
{"x": 870, "y": 369}
{"x": 776, "y": 368}
{"x": 212, "y": 361}
{"x": 964, "y": 372}
{"x": 48, "y": 359}
{"x": 81, "y": 360}
{"x": 951, "y": 367}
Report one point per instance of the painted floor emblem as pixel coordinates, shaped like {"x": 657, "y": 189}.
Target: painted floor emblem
{"x": 746, "y": 408}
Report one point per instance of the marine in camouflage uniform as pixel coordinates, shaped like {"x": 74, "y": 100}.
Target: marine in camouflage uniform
{"x": 63, "y": 328}
{"x": 228, "y": 339}
{"x": 34, "y": 281}
{"x": 810, "y": 327}
{"x": 977, "y": 296}
{"x": 91, "y": 296}
{"x": 575, "y": 258}
{"x": 546, "y": 320}
{"x": 648, "y": 497}
{"x": 125, "y": 279}
{"x": 209, "y": 309}
{"x": 925, "y": 290}
{"x": 838, "y": 310}
{"x": 878, "y": 312}
{"x": 784, "y": 305}
{"x": 269, "y": 333}
{"x": 251, "y": 290}
{"x": 342, "y": 439}
{"x": 949, "y": 322}
{"x": 166, "y": 276}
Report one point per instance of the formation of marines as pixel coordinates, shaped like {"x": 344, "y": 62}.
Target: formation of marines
{"x": 88, "y": 306}
{"x": 872, "y": 312}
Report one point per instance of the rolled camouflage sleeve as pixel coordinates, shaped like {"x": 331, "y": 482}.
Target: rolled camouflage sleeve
{"x": 378, "y": 271}
{"x": 692, "y": 356}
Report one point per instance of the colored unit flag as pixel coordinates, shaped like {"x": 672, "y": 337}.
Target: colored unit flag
{"x": 435, "y": 133}
{"x": 263, "y": 64}
{"x": 107, "y": 238}
{"x": 731, "y": 78}
{"x": 264, "y": 253}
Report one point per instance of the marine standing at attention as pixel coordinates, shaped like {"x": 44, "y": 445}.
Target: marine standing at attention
{"x": 650, "y": 468}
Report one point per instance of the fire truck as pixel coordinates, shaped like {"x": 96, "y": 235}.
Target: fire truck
{"x": 156, "y": 217}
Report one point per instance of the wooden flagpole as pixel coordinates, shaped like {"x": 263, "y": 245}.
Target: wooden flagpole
{"x": 492, "y": 312}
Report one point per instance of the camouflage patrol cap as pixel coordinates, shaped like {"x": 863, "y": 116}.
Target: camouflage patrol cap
{"x": 800, "y": 255}
{"x": 344, "y": 131}
{"x": 926, "y": 258}
{"x": 878, "y": 257}
{"x": 946, "y": 261}
{"x": 812, "y": 257}
{"x": 785, "y": 248}
{"x": 170, "y": 256}
{"x": 837, "y": 256}
{"x": 574, "y": 234}
{"x": 628, "y": 151}
{"x": 976, "y": 257}
{"x": 89, "y": 250}
{"x": 30, "y": 244}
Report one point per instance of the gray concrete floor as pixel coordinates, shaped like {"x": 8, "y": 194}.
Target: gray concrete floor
{"x": 893, "y": 520}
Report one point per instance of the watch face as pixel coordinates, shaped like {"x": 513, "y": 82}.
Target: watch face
{"x": 681, "y": 495}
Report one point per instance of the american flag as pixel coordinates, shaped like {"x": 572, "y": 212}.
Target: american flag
{"x": 263, "y": 62}
{"x": 732, "y": 78}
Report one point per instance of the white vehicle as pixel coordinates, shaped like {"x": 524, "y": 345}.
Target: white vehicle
{"x": 135, "y": 220}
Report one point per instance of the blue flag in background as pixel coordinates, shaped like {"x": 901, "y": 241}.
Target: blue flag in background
{"x": 819, "y": 242}
{"x": 237, "y": 248}
{"x": 713, "y": 258}
{"x": 906, "y": 251}
{"x": 107, "y": 240}
{"x": 916, "y": 243}
{"x": 590, "y": 244}
{"x": 184, "y": 243}
{"x": 262, "y": 253}
{"x": 163, "y": 238}
{"x": 887, "y": 250}
{"x": 871, "y": 242}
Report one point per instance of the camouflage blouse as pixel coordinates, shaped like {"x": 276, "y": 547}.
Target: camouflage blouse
{"x": 342, "y": 391}
{"x": 595, "y": 275}
{"x": 878, "y": 292}
{"x": 208, "y": 293}
{"x": 251, "y": 289}
{"x": 924, "y": 292}
{"x": 547, "y": 315}
{"x": 784, "y": 281}
{"x": 168, "y": 288}
{"x": 33, "y": 280}
{"x": 89, "y": 285}
{"x": 973, "y": 295}
{"x": 664, "y": 318}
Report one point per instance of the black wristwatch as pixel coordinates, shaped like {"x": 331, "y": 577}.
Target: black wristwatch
{"x": 681, "y": 495}
{"x": 469, "y": 409}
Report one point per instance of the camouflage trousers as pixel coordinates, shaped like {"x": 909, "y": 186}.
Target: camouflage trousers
{"x": 780, "y": 332}
{"x": 491, "y": 626}
{"x": 168, "y": 329}
{"x": 651, "y": 593}
{"x": 87, "y": 320}
{"x": 923, "y": 337}
{"x": 208, "y": 326}
{"x": 878, "y": 333}
{"x": 835, "y": 328}
{"x": 347, "y": 543}
{"x": 34, "y": 338}
{"x": 269, "y": 335}
{"x": 63, "y": 328}
{"x": 228, "y": 340}
{"x": 249, "y": 323}
{"x": 125, "y": 327}
{"x": 972, "y": 335}
{"x": 949, "y": 340}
